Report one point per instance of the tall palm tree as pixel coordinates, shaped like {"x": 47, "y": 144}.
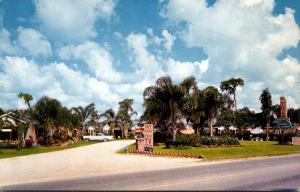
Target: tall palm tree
{"x": 266, "y": 107}
{"x": 197, "y": 111}
{"x": 188, "y": 86}
{"x": 212, "y": 104}
{"x": 94, "y": 119}
{"x": 110, "y": 116}
{"x": 124, "y": 114}
{"x": 47, "y": 114}
{"x": 165, "y": 100}
{"x": 84, "y": 113}
{"x": 230, "y": 86}
{"x": 26, "y": 97}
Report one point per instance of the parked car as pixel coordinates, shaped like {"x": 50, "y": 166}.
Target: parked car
{"x": 98, "y": 137}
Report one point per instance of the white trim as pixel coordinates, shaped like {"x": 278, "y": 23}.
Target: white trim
{"x": 6, "y": 130}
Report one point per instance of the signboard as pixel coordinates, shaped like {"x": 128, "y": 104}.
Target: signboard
{"x": 283, "y": 107}
{"x": 148, "y": 136}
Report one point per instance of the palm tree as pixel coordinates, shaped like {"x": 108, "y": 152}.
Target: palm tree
{"x": 26, "y": 97}
{"x": 124, "y": 114}
{"x": 165, "y": 101}
{"x": 198, "y": 113}
{"x": 188, "y": 86}
{"x": 212, "y": 104}
{"x": 110, "y": 116}
{"x": 266, "y": 107}
{"x": 65, "y": 118}
{"x": 47, "y": 114}
{"x": 94, "y": 119}
{"x": 84, "y": 113}
{"x": 230, "y": 86}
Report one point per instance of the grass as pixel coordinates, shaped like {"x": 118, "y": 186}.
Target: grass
{"x": 7, "y": 153}
{"x": 250, "y": 149}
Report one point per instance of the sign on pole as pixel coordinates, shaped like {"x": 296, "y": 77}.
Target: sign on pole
{"x": 148, "y": 136}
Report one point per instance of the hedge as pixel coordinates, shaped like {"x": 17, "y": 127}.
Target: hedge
{"x": 196, "y": 141}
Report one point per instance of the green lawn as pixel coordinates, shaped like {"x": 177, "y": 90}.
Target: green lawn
{"x": 250, "y": 149}
{"x": 7, "y": 153}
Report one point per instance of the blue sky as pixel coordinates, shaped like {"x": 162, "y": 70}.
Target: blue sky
{"x": 103, "y": 51}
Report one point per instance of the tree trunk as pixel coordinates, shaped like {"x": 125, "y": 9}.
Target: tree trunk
{"x": 123, "y": 131}
{"x": 174, "y": 134}
{"x": 211, "y": 128}
{"x": 28, "y": 104}
{"x": 126, "y": 130}
{"x": 83, "y": 128}
{"x": 113, "y": 129}
{"x": 173, "y": 124}
{"x": 267, "y": 139}
{"x": 234, "y": 98}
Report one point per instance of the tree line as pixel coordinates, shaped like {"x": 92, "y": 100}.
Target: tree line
{"x": 50, "y": 115}
{"x": 166, "y": 103}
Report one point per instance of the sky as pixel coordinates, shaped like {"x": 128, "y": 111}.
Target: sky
{"x": 104, "y": 51}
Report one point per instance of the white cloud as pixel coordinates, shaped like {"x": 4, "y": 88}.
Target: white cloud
{"x": 74, "y": 20}
{"x": 56, "y": 80}
{"x": 147, "y": 65}
{"x": 34, "y": 42}
{"x": 98, "y": 59}
{"x": 241, "y": 38}
{"x": 6, "y": 46}
{"x": 180, "y": 70}
{"x": 169, "y": 40}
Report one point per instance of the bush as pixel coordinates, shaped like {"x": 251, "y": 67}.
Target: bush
{"x": 285, "y": 139}
{"x": 131, "y": 135}
{"x": 28, "y": 142}
{"x": 161, "y": 137}
{"x": 196, "y": 141}
{"x": 7, "y": 145}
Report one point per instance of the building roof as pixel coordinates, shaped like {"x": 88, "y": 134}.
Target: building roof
{"x": 106, "y": 127}
{"x": 11, "y": 118}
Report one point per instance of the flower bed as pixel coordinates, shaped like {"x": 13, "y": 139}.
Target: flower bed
{"x": 166, "y": 154}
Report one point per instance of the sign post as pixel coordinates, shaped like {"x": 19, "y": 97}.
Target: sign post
{"x": 148, "y": 137}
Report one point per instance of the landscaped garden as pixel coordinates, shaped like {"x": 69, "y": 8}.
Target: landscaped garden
{"x": 185, "y": 118}
{"x": 246, "y": 150}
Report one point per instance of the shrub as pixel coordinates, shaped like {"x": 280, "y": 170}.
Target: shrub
{"x": 169, "y": 143}
{"x": 7, "y": 145}
{"x": 284, "y": 139}
{"x": 161, "y": 137}
{"x": 28, "y": 142}
{"x": 131, "y": 135}
{"x": 196, "y": 141}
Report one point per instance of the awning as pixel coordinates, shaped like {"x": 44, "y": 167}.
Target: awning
{"x": 134, "y": 127}
{"x": 232, "y": 128}
{"x": 188, "y": 130}
{"x": 6, "y": 130}
{"x": 257, "y": 130}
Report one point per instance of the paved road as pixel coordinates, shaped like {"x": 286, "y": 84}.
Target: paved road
{"x": 276, "y": 173}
